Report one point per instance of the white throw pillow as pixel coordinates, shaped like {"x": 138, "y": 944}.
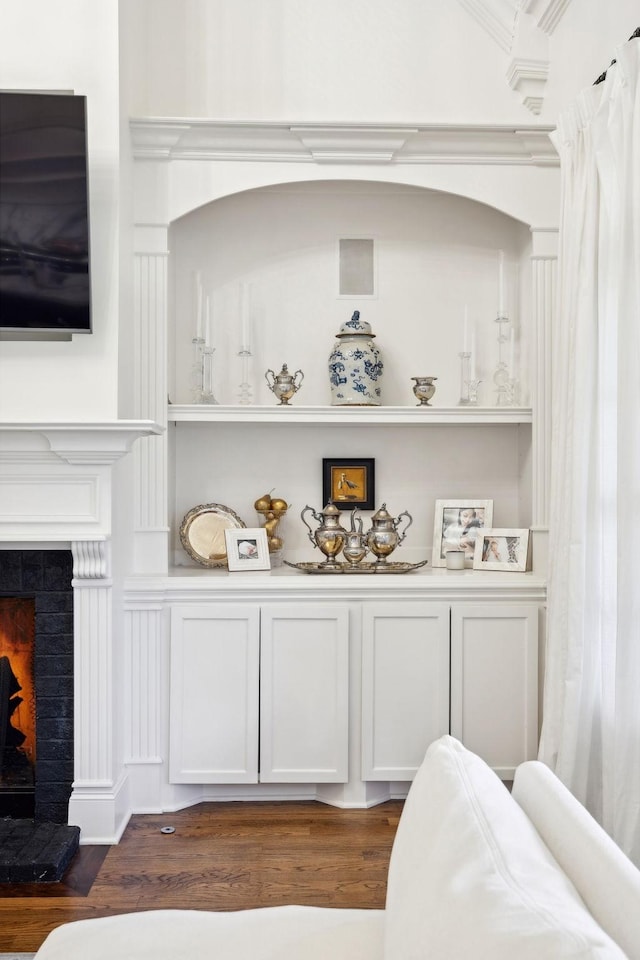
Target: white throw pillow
{"x": 470, "y": 877}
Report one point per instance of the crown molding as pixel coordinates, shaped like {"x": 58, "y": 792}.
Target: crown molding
{"x": 170, "y": 139}
{"x": 546, "y": 13}
{"x": 496, "y": 17}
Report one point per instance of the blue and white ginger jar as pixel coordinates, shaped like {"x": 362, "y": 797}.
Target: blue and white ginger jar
{"x": 355, "y": 366}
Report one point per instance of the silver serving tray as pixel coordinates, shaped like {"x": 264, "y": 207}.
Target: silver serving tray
{"x": 367, "y": 567}
{"x": 202, "y": 533}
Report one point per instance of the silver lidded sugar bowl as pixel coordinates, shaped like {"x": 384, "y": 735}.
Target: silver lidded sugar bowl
{"x": 384, "y": 537}
{"x": 283, "y": 385}
{"x": 330, "y": 536}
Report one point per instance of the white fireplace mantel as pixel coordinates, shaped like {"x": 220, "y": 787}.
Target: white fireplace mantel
{"x": 55, "y": 477}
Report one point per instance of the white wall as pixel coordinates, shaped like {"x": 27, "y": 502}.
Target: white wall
{"x": 405, "y": 60}
{"x": 71, "y": 45}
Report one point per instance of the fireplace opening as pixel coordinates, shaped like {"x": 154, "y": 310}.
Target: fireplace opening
{"x": 36, "y": 612}
{"x": 17, "y": 707}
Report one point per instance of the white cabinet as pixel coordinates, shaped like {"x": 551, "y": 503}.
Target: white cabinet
{"x": 273, "y": 678}
{"x": 304, "y": 694}
{"x": 213, "y": 705}
{"x": 405, "y": 685}
{"x": 494, "y": 682}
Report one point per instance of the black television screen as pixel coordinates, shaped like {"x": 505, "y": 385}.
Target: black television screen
{"x": 44, "y": 213}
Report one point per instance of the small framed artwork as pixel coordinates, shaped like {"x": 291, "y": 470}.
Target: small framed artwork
{"x": 247, "y": 549}
{"x": 457, "y": 525}
{"x": 349, "y": 483}
{"x": 502, "y": 550}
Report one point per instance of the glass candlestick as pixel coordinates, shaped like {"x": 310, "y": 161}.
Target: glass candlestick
{"x": 207, "y": 395}
{"x": 472, "y": 391}
{"x": 245, "y": 395}
{"x": 465, "y": 356}
{"x": 195, "y": 378}
{"x": 501, "y": 375}
{"x": 513, "y": 392}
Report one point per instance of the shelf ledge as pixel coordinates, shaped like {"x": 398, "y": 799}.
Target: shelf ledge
{"x": 419, "y": 415}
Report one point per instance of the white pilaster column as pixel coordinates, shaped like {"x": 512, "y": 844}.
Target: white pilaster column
{"x": 150, "y": 454}
{"x": 98, "y": 803}
{"x": 544, "y": 260}
{"x": 145, "y": 749}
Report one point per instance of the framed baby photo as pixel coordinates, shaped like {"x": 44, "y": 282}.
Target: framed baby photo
{"x": 502, "y": 550}
{"x": 247, "y": 549}
{"x": 457, "y": 525}
{"x": 349, "y": 482}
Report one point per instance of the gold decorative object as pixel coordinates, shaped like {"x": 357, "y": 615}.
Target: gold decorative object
{"x": 271, "y": 511}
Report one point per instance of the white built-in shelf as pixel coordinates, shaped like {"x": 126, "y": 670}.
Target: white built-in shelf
{"x": 419, "y": 415}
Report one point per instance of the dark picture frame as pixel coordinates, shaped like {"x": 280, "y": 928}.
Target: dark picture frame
{"x": 349, "y": 482}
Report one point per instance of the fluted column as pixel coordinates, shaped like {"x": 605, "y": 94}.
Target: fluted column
{"x": 145, "y": 636}
{"x": 151, "y": 526}
{"x": 98, "y": 804}
{"x": 543, "y": 287}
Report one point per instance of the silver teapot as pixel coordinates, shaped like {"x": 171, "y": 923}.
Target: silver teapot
{"x": 330, "y": 536}
{"x": 283, "y": 385}
{"x": 383, "y": 537}
{"x": 355, "y": 547}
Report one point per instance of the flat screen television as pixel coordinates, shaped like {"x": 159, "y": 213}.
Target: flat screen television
{"x": 44, "y": 214}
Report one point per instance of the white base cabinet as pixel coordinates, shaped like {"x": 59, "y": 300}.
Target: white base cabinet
{"x": 494, "y": 682}
{"x": 405, "y": 685}
{"x": 259, "y": 694}
{"x": 281, "y": 686}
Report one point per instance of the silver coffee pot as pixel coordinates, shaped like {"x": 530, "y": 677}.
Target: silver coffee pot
{"x": 330, "y": 536}
{"x": 384, "y": 537}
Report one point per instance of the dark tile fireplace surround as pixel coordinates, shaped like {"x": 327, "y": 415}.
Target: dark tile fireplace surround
{"x": 46, "y": 576}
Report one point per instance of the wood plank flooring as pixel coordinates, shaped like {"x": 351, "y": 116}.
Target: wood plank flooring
{"x": 222, "y": 856}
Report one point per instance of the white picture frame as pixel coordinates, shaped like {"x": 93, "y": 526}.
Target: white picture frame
{"x": 502, "y": 549}
{"x": 457, "y": 523}
{"x": 247, "y": 549}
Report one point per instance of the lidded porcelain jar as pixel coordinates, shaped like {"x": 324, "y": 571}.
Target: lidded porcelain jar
{"x": 355, "y": 366}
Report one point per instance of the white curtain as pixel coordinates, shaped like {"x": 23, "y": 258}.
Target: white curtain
{"x": 591, "y": 712}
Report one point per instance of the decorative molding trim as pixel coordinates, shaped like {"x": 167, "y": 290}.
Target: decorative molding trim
{"x": 353, "y": 145}
{"x": 91, "y": 559}
{"x": 496, "y": 17}
{"x": 165, "y": 139}
{"x": 144, "y": 639}
{"x": 528, "y": 78}
{"x": 546, "y": 13}
{"x": 79, "y": 443}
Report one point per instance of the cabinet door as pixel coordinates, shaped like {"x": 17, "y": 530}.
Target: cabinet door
{"x": 494, "y": 682}
{"x": 405, "y": 685}
{"x": 213, "y": 711}
{"x": 304, "y": 710}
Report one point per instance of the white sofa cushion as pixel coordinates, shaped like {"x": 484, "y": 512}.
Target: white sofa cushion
{"x": 270, "y": 933}
{"x": 470, "y": 877}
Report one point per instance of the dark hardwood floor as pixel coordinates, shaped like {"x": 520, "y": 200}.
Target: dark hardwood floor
{"x": 222, "y": 856}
